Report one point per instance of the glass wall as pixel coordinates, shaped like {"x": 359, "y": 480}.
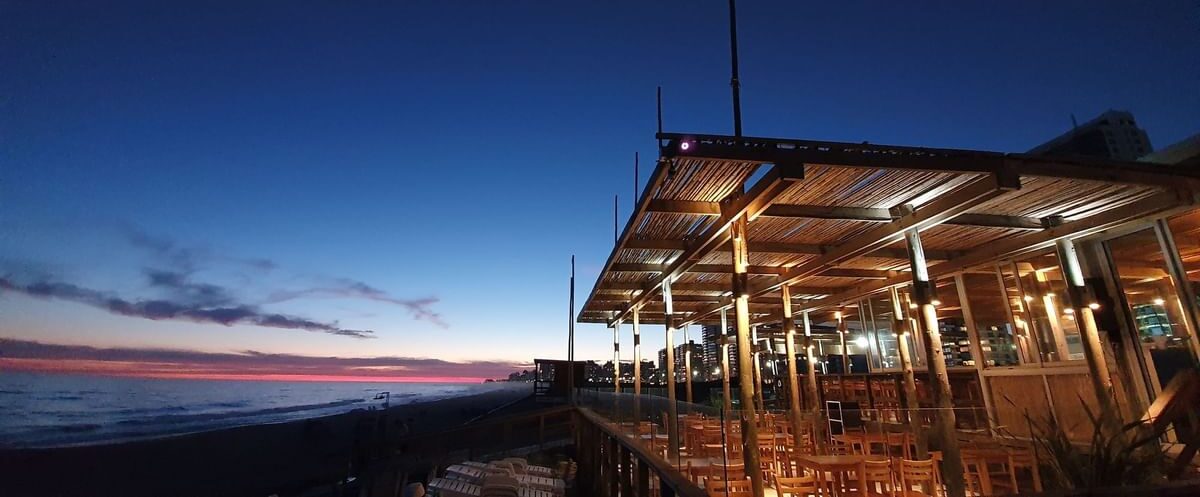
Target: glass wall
{"x": 1154, "y": 304}
{"x": 952, "y": 325}
{"x": 1039, "y": 279}
{"x": 998, "y": 340}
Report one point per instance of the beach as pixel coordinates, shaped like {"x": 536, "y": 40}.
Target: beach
{"x": 255, "y": 460}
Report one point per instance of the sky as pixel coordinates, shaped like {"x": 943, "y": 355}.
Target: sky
{"x": 407, "y": 181}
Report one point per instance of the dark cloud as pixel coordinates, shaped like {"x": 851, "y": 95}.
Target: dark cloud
{"x": 199, "y": 312}
{"x": 180, "y": 287}
{"x": 348, "y": 288}
{"x": 152, "y": 361}
{"x": 186, "y": 259}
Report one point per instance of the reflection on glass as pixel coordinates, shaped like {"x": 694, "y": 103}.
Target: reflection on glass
{"x": 916, "y": 339}
{"x": 997, "y": 340}
{"x": 1043, "y": 289}
{"x": 955, "y": 344}
{"x": 885, "y": 349}
{"x": 1154, "y": 303}
{"x": 1027, "y": 346}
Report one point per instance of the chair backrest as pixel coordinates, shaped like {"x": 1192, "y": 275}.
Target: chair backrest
{"x": 916, "y": 474}
{"x": 716, "y": 487}
{"x": 730, "y": 472}
{"x": 801, "y": 486}
{"x": 898, "y": 440}
{"x": 876, "y": 475}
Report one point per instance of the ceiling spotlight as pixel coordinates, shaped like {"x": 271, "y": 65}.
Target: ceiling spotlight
{"x": 1093, "y": 306}
{"x": 1159, "y": 301}
{"x": 685, "y": 146}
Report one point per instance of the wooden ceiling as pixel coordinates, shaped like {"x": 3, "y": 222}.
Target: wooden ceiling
{"x": 828, "y": 219}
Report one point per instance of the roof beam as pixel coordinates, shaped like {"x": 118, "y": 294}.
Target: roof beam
{"x": 634, "y": 267}
{"x": 931, "y": 214}
{"x": 1158, "y": 205}
{"x": 716, "y": 147}
{"x": 792, "y": 248}
{"x": 750, "y": 203}
{"x": 865, "y": 214}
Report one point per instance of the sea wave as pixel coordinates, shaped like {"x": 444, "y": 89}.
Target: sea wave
{"x": 217, "y": 416}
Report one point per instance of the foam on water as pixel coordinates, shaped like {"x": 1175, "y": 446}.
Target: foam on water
{"x": 46, "y": 410}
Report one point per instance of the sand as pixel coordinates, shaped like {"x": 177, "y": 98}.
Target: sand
{"x": 256, "y": 460}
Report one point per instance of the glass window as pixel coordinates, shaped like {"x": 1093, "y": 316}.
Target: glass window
{"x": 997, "y": 337}
{"x": 916, "y": 339}
{"x": 1043, "y": 290}
{"x": 1154, "y": 304}
{"x": 951, "y": 325}
{"x": 1027, "y": 346}
{"x": 884, "y": 344}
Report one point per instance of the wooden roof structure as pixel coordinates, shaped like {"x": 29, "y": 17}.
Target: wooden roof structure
{"x": 828, "y": 219}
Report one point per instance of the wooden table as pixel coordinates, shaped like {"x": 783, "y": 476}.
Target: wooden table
{"x": 835, "y": 465}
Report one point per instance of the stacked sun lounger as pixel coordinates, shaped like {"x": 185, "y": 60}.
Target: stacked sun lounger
{"x": 512, "y": 477}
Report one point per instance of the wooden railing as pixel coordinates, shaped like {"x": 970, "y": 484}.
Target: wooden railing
{"x": 611, "y": 463}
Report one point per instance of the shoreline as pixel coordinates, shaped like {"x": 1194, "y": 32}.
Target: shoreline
{"x": 251, "y": 460}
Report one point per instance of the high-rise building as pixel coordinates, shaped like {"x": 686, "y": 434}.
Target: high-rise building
{"x": 698, "y": 363}
{"x": 711, "y": 334}
{"x": 1112, "y": 135}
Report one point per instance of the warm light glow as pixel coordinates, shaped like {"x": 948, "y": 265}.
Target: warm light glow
{"x": 1068, "y": 311}
{"x": 912, "y": 306}
{"x": 935, "y": 302}
{"x": 861, "y": 341}
{"x": 1050, "y": 294}
{"x": 1028, "y": 298}
{"x": 1159, "y": 301}
{"x": 1094, "y": 306}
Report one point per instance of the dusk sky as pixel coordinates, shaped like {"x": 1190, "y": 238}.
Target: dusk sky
{"x": 410, "y": 179}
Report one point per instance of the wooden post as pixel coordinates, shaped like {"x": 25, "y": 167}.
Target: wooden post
{"x": 912, "y": 403}
{"x": 617, "y": 357}
{"x": 840, "y": 315}
{"x": 725, "y": 390}
{"x": 614, "y": 466}
{"x": 789, "y": 347}
{"x": 1086, "y": 322}
{"x": 741, "y": 311}
{"x": 637, "y": 368}
{"x": 758, "y": 381}
{"x": 643, "y": 479}
{"x": 810, "y": 386}
{"x": 687, "y": 366}
{"x": 672, "y": 409}
{"x": 923, "y": 292}
{"x": 626, "y": 470}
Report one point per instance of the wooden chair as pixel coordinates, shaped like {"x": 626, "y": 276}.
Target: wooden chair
{"x": 916, "y": 479}
{"x": 898, "y": 445}
{"x": 1020, "y": 459}
{"x": 799, "y": 486}
{"x": 731, "y": 472}
{"x": 728, "y": 488}
{"x": 875, "y": 479}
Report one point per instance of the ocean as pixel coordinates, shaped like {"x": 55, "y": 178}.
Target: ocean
{"x": 51, "y": 410}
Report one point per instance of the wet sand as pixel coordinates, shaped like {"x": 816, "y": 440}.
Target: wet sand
{"x": 256, "y": 460}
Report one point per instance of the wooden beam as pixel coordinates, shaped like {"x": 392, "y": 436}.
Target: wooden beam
{"x": 1158, "y": 205}
{"x": 634, "y": 267}
{"x": 685, "y": 207}
{"x": 865, "y": 214}
{"x": 773, "y": 150}
{"x": 790, "y": 248}
{"x": 930, "y": 214}
{"x": 749, "y": 204}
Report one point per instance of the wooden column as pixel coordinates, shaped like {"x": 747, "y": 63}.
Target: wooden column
{"x": 758, "y": 381}
{"x": 952, "y": 465}
{"x": 726, "y": 392}
{"x": 637, "y": 368}
{"x": 672, "y": 409}
{"x": 810, "y": 386}
{"x": 687, "y": 366}
{"x": 741, "y": 311}
{"x": 1080, "y": 301}
{"x": 841, "y": 329}
{"x": 789, "y": 348}
{"x": 617, "y": 357}
{"x": 912, "y": 403}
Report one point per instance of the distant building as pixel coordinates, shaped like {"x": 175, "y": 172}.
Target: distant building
{"x": 712, "y": 352}
{"x": 1184, "y": 153}
{"x": 698, "y": 363}
{"x": 1112, "y": 135}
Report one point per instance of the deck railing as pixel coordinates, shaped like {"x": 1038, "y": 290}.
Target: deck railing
{"x": 611, "y": 463}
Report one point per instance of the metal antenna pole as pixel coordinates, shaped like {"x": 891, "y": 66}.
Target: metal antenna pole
{"x": 571, "y": 339}
{"x": 733, "y": 81}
